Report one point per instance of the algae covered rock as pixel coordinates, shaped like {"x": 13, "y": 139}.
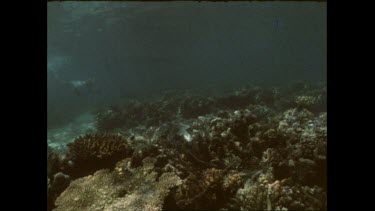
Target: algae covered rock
{"x": 121, "y": 189}
{"x": 93, "y": 192}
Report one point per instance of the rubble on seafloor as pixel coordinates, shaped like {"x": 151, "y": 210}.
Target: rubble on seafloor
{"x": 253, "y": 149}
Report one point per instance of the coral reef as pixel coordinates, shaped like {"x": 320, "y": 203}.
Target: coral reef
{"x": 55, "y": 187}
{"x": 87, "y": 193}
{"x": 135, "y": 113}
{"x": 268, "y": 194}
{"x": 210, "y": 189}
{"x": 188, "y": 104}
{"x": 56, "y": 181}
{"x": 90, "y": 153}
{"x": 305, "y": 101}
{"x": 53, "y": 162}
{"x": 124, "y": 188}
{"x": 257, "y": 148}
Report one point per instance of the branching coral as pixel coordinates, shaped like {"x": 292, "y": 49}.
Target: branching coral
{"x": 93, "y": 152}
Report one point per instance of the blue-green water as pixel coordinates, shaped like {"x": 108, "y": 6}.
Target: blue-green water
{"x": 135, "y": 49}
{"x": 186, "y": 106}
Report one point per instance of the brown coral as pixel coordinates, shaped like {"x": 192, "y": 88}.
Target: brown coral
{"x": 204, "y": 190}
{"x": 233, "y": 181}
{"x": 90, "y": 153}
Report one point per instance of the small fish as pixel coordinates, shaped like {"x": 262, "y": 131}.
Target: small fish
{"x": 80, "y": 83}
{"x": 173, "y": 129}
{"x": 82, "y": 86}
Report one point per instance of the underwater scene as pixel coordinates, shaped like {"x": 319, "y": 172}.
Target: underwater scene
{"x": 156, "y": 106}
